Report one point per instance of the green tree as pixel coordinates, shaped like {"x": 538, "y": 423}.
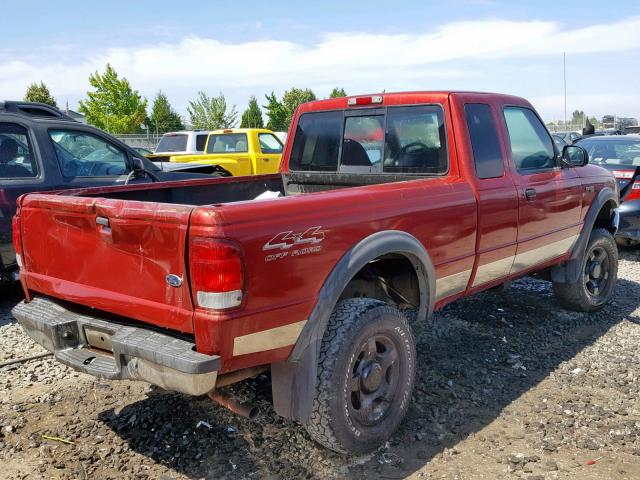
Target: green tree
{"x": 294, "y": 98}
{"x": 337, "y": 93}
{"x": 252, "y": 116}
{"x": 163, "y": 117}
{"x": 577, "y": 117}
{"x": 276, "y": 113}
{"x": 113, "y": 105}
{"x": 210, "y": 113}
{"x": 39, "y": 93}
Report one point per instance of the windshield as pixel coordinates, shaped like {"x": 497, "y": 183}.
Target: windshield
{"x": 228, "y": 143}
{"x": 172, "y": 143}
{"x": 607, "y": 152}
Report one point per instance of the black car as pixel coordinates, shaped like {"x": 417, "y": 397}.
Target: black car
{"x": 621, "y": 155}
{"x": 43, "y": 149}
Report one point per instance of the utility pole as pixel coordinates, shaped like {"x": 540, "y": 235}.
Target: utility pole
{"x": 564, "y": 70}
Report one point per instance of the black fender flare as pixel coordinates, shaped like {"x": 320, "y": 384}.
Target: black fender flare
{"x": 569, "y": 271}
{"x": 293, "y": 380}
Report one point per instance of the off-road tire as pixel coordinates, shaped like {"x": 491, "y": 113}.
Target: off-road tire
{"x": 577, "y": 296}
{"x": 342, "y": 364}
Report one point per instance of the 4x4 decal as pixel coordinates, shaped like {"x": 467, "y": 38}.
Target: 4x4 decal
{"x": 286, "y": 241}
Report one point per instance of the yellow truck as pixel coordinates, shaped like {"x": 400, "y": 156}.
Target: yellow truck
{"x": 239, "y": 151}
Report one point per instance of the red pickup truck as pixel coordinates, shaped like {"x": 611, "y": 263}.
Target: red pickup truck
{"x": 387, "y": 207}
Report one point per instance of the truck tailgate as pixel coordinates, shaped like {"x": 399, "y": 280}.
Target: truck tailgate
{"x": 113, "y": 255}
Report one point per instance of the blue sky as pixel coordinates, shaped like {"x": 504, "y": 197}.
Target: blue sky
{"x": 244, "y": 48}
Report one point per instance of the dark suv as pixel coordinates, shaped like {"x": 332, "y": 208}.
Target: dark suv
{"x": 41, "y": 148}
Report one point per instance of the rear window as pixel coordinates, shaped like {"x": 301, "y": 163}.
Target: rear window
{"x": 228, "y": 143}
{"x": 393, "y": 140}
{"x": 201, "y": 141}
{"x": 317, "y": 142}
{"x": 606, "y": 151}
{"x": 172, "y": 143}
{"x": 16, "y": 157}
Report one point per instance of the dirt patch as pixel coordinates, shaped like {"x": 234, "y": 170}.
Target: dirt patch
{"x": 509, "y": 385}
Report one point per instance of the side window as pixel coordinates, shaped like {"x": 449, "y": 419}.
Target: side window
{"x": 415, "y": 140}
{"x": 316, "y": 142}
{"x": 82, "y": 154}
{"x": 487, "y": 155}
{"x": 269, "y": 143}
{"x": 228, "y": 143}
{"x": 531, "y": 145}
{"x": 16, "y": 158}
{"x": 201, "y": 141}
{"x": 362, "y": 144}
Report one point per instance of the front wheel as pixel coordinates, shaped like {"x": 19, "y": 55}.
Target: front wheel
{"x": 365, "y": 376}
{"x": 599, "y": 272}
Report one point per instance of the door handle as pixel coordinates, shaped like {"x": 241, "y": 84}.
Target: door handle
{"x": 589, "y": 188}
{"x": 530, "y": 193}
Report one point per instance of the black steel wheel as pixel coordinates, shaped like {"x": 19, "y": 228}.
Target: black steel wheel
{"x": 365, "y": 376}
{"x": 599, "y": 270}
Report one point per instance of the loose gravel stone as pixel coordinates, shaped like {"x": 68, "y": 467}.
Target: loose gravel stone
{"x": 509, "y": 385}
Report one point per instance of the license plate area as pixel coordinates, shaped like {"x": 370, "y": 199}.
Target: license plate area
{"x": 98, "y": 339}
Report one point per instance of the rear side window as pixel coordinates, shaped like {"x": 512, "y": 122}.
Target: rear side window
{"x": 415, "y": 140}
{"x": 531, "y": 145}
{"x": 173, "y": 143}
{"x": 484, "y": 141}
{"x": 228, "y": 143}
{"x": 269, "y": 143}
{"x": 201, "y": 141}
{"x": 16, "y": 155}
{"x": 317, "y": 142}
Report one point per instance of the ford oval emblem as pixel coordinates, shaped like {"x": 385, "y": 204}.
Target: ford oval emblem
{"x": 174, "y": 280}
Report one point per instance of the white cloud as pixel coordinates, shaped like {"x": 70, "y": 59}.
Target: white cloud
{"x": 359, "y": 61}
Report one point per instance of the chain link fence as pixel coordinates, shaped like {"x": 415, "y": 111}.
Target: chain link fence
{"x": 143, "y": 140}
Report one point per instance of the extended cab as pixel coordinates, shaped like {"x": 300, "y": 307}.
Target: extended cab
{"x": 387, "y": 207}
{"x": 239, "y": 151}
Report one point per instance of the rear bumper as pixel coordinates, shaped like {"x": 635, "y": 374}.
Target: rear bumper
{"x": 629, "y": 227}
{"x": 109, "y": 350}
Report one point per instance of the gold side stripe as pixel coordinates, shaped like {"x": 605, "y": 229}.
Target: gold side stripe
{"x": 542, "y": 254}
{"x": 490, "y": 271}
{"x": 452, "y": 284}
{"x": 268, "y": 339}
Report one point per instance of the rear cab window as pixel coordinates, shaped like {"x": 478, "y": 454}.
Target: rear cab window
{"x": 16, "y": 154}
{"x": 406, "y": 140}
{"x": 228, "y": 143}
{"x": 176, "y": 142}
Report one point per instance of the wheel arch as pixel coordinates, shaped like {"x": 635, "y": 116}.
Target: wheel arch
{"x": 601, "y": 214}
{"x": 298, "y": 373}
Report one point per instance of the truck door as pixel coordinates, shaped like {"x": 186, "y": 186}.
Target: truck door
{"x": 497, "y": 196}
{"x": 268, "y": 153}
{"x": 549, "y": 197}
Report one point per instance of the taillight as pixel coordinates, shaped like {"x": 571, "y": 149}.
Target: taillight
{"x": 373, "y": 99}
{"x": 634, "y": 194}
{"x": 216, "y": 270}
{"x": 15, "y": 235}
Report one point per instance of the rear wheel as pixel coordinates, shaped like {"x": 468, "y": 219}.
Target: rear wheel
{"x": 599, "y": 272}
{"x": 365, "y": 376}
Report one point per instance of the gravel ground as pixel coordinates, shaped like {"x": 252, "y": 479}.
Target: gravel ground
{"x": 509, "y": 386}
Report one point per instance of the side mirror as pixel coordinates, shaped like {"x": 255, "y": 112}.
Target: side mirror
{"x": 138, "y": 165}
{"x": 575, "y": 156}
